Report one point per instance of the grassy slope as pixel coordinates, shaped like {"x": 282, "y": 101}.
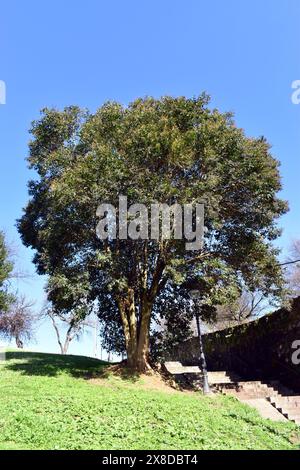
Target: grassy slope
{"x": 46, "y": 403}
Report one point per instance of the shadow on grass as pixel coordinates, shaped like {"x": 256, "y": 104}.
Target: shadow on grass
{"x": 51, "y": 365}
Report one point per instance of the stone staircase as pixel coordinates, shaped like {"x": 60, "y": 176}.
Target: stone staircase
{"x": 271, "y": 399}
{"x": 288, "y": 406}
{"x": 246, "y": 390}
{"x": 259, "y": 394}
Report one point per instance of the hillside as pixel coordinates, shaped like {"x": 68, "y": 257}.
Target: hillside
{"x": 54, "y": 402}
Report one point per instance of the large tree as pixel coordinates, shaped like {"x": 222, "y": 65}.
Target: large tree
{"x": 169, "y": 150}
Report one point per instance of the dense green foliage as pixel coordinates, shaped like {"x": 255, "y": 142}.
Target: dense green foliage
{"x": 172, "y": 150}
{"x": 45, "y": 403}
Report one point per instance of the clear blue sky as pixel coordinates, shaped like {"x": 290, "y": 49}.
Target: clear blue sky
{"x": 56, "y": 53}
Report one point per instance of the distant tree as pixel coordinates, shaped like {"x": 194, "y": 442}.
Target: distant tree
{"x": 69, "y": 306}
{"x": 246, "y": 306}
{"x": 73, "y": 324}
{"x": 6, "y": 268}
{"x": 17, "y": 322}
{"x": 170, "y": 150}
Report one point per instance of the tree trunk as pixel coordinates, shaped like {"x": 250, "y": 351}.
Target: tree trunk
{"x": 131, "y": 346}
{"x": 137, "y": 333}
{"x": 19, "y": 343}
{"x": 142, "y": 353}
{"x": 57, "y": 333}
{"x": 137, "y": 340}
{"x": 66, "y": 346}
{"x": 137, "y": 330}
{"x": 68, "y": 339}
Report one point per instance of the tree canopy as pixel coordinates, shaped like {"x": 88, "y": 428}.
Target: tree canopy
{"x": 168, "y": 150}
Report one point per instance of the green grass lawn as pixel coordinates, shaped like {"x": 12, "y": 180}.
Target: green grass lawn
{"x": 46, "y": 402}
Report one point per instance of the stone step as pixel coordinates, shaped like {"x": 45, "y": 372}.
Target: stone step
{"x": 248, "y": 386}
{"x": 176, "y": 368}
{"x": 260, "y": 392}
{"x": 246, "y": 395}
{"x": 243, "y": 396}
{"x": 287, "y": 399}
{"x": 215, "y": 378}
{"x": 220, "y": 373}
{"x": 288, "y": 404}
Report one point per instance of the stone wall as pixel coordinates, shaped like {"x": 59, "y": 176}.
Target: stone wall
{"x": 259, "y": 349}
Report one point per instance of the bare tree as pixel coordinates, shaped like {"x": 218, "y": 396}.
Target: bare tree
{"x": 18, "y": 322}
{"x": 293, "y": 269}
{"x": 246, "y": 307}
{"x": 75, "y": 327}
